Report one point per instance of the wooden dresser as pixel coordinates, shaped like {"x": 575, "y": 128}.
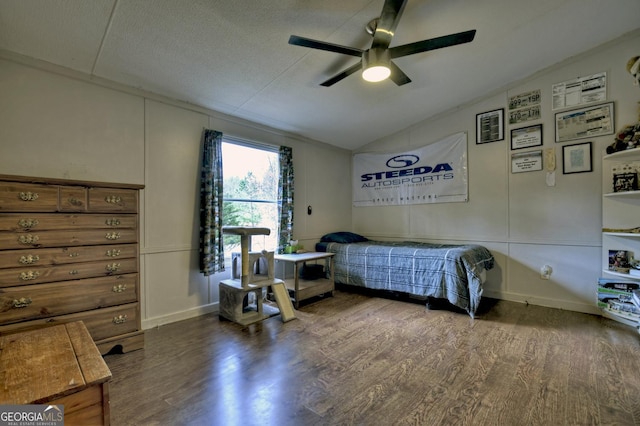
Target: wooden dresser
{"x": 69, "y": 252}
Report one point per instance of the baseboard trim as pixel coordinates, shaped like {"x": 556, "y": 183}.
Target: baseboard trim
{"x": 180, "y": 316}
{"x": 548, "y": 303}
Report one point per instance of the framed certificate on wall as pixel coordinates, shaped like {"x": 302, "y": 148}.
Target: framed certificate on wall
{"x": 526, "y": 137}
{"x": 529, "y": 161}
{"x": 586, "y": 122}
{"x": 490, "y": 126}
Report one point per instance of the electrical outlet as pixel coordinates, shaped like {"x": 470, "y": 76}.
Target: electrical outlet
{"x": 545, "y": 272}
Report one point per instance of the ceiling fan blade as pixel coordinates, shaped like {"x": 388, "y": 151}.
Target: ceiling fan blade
{"x": 321, "y": 45}
{"x": 397, "y": 75}
{"x": 387, "y": 23}
{"x": 432, "y": 44}
{"x": 344, "y": 74}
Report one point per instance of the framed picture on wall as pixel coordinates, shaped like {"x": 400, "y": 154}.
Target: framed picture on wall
{"x": 576, "y": 158}
{"x": 526, "y": 137}
{"x": 529, "y": 161}
{"x": 490, "y": 126}
{"x": 585, "y": 122}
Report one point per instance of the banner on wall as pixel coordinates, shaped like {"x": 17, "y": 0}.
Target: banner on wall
{"x": 436, "y": 173}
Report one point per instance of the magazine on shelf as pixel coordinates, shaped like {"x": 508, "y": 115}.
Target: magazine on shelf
{"x": 635, "y": 298}
{"x": 620, "y": 297}
{"x": 621, "y": 284}
{"x": 623, "y": 317}
{"x": 626, "y": 307}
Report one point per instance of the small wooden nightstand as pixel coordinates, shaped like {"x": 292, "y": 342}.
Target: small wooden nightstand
{"x": 300, "y": 288}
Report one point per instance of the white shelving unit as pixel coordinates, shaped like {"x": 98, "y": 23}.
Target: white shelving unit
{"x": 620, "y": 212}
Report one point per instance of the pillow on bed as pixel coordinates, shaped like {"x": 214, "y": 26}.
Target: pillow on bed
{"x": 343, "y": 238}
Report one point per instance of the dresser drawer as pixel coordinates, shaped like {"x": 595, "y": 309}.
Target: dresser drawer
{"x": 25, "y": 197}
{"x": 101, "y": 323}
{"x": 74, "y": 271}
{"x": 72, "y": 199}
{"x": 18, "y": 240}
{"x": 105, "y": 323}
{"x": 52, "y": 299}
{"x": 113, "y": 200}
{"x": 55, "y": 221}
{"x": 65, "y": 255}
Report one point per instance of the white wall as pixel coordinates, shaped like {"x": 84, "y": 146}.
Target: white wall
{"x": 524, "y": 222}
{"x": 60, "y": 124}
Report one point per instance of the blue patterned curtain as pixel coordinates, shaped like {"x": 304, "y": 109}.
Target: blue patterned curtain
{"x": 285, "y": 197}
{"x": 211, "y": 244}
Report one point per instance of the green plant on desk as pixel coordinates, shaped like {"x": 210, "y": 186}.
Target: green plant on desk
{"x": 293, "y": 249}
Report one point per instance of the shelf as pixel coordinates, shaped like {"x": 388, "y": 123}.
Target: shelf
{"x": 301, "y": 289}
{"x": 623, "y": 194}
{"x": 621, "y": 317}
{"x": 622, "y": 234}
{"x": 621, "y": 274}
{"x": 309, "y": 288}
{"x": 628, "y": 154}
{"x": 620, "y": 209}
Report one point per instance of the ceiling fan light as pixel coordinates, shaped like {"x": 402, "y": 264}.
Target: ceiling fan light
{"x": 375, "y": 65}
{"x": 376, "y": 73}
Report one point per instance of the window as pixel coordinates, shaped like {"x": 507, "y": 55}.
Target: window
{"x": 250, "y": 198}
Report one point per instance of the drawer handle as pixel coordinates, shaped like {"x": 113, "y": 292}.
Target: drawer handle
{"x": 28, "y": 196}
{"x": 23, "y": 302}
{"x": 113, "y": 253}
{"x": 73, "y": 272}
{"x": 28, "y": 223}
{"x": 113, "y": 267}
{"x": 112, "y": 199}
{"x": 112, "y": 236}
{"x": 30, "y": 275}
{"x": 112, "y": 222}
{"x": 74, "y": 254}
{"x": 28, "y": 239}
{"x": 29, "y": 259}
{"x": 75, "y": 201}
{"x": 119, "y": 288}
{"x": 120, "y": 319}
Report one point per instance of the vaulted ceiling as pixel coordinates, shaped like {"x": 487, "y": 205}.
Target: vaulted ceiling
{"x": 232, "y": 56}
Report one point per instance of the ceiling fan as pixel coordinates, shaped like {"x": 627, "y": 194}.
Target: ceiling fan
{"x": 376, "y": 61}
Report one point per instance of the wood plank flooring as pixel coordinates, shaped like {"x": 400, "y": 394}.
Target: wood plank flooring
{"x": 353, "y": 359}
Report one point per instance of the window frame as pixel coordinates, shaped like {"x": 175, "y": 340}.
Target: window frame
{"x": 273, "y": 149}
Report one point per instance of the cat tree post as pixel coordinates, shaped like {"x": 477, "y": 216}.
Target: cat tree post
{"x": 234, "y": 292}
{"x": 245, "y": 234}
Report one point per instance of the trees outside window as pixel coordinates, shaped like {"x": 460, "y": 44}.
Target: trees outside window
{"x": 250, "y": 193}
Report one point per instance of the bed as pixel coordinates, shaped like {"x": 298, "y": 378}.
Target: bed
{"x": 441, "y": 271}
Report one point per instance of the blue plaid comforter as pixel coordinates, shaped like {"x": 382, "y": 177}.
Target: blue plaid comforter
{"x": 444, "y": 271}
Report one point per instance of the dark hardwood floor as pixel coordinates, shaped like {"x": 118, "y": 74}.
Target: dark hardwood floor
{"x": 354, "y": 359}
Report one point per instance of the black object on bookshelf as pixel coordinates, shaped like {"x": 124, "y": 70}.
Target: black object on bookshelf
{"x": 627, "y": 181}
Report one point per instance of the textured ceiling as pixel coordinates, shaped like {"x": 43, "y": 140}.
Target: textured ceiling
{"x": 232, "y": 56}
